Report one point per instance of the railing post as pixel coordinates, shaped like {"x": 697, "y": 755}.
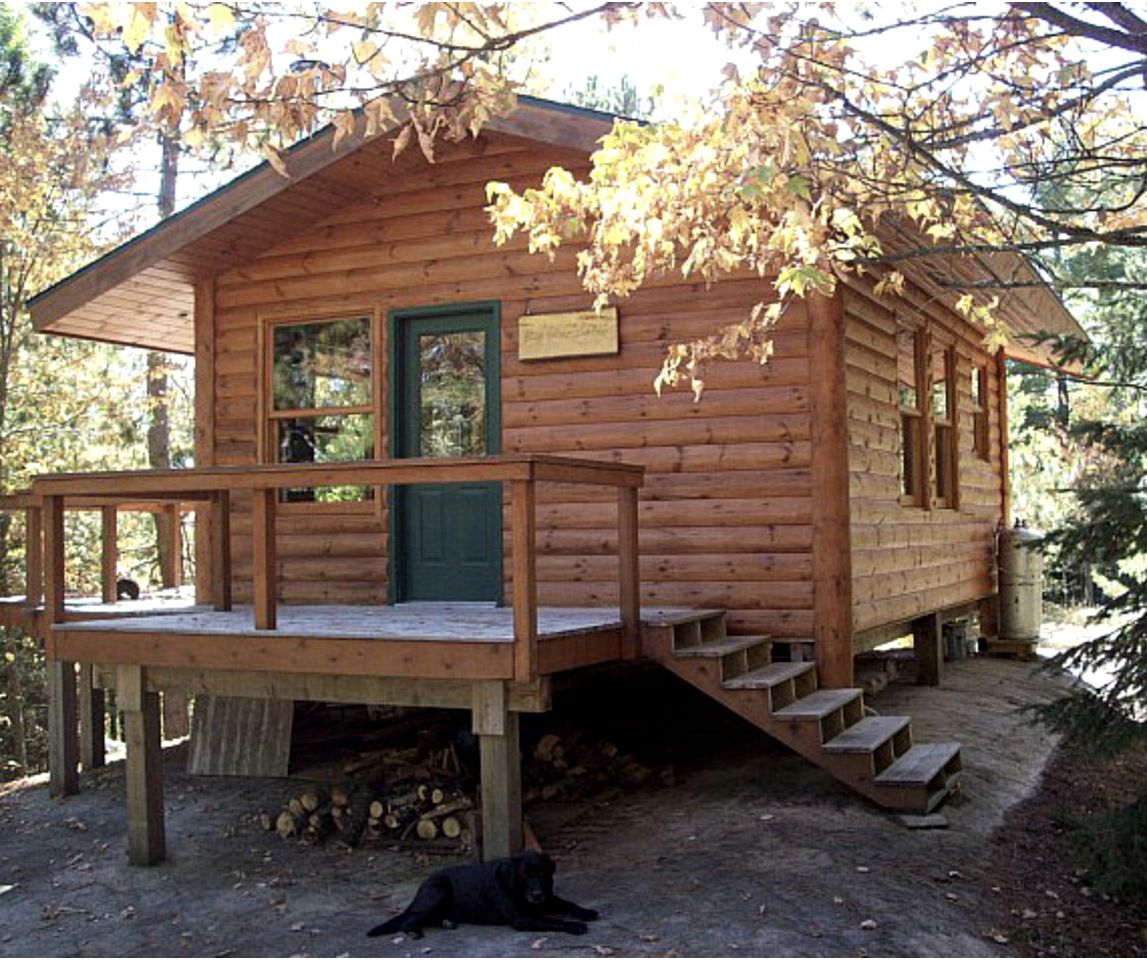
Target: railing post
{"x": 109, "y": 553}
{"x": 221, "y": 549}
{"x": 168, "y": 521}
{"x": 263, "y": 557}
{"x": 54, "y": 558}
{"x": 525, "y": 597}
{"x": 629, "y": 573}
{"x": 63, "y": 739}
{"x": 33, "y": 556}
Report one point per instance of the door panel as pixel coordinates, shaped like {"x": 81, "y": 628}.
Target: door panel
{"x": 447, "y": 538}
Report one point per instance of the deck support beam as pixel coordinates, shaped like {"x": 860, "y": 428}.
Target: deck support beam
{"x": 146, "y": 843}
{"x": 63, "y": 734}
{"x": 928, "y": 644}
{"x": 63, "y": 741}
{"x": 501, "y": 761}
{"x": 91, "y": 710}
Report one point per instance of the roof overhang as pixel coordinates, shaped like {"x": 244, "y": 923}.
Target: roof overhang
{"x": 1027, "y": 305}
{"x": 142, "y": 293}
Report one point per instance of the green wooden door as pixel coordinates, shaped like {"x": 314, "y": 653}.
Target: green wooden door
{"x": 447, "y": 538}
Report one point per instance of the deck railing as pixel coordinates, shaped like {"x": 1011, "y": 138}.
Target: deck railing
{"x": 214, "y": 487}
{"x": 109, "y": 508}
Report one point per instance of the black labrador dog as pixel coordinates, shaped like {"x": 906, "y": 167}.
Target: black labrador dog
{"x": 518, "y": 891}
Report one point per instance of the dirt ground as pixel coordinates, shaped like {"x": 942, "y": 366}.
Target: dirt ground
{"x": 751, "y": 852}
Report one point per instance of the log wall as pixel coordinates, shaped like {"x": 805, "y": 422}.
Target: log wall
{"x": 907, "y": 560}
{"x": 726, "y": 513}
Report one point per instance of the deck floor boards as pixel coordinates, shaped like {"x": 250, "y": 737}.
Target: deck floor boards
{"x": 456, "y": 622}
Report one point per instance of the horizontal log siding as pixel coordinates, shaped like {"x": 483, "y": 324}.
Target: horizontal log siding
{"x": 907, "y": 561}
{"x": 725, "y": 516}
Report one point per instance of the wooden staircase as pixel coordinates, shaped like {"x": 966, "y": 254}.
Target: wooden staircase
{"x": 872, "y": 754}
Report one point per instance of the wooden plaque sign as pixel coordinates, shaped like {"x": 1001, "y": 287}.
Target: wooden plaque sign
{"x": 582, "y": 333}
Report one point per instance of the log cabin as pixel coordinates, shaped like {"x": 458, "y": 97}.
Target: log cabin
{"x": 426, "y": 473}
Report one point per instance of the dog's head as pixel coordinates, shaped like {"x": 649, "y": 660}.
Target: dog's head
{"x": 533, "y": 876}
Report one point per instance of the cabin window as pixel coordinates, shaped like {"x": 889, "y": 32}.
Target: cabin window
{"x": 452, "y": 394}
{"x": 321, "y": 399}
{"x": 941, "y": 367}
{"x": 909, "y": 354}
{"x": 980, "y": 412}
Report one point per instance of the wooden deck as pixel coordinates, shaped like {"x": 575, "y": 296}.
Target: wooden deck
{"x": 434, "y": 641}
{"x": 496, "y": 661}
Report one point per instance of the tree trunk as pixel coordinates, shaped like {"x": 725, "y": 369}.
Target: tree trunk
{"x": 159, "y": 444}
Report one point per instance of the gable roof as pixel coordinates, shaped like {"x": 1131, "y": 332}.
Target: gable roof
{"x": 142, "y": 293}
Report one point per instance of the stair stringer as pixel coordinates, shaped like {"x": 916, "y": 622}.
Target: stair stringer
{"x": 857, "y": 770}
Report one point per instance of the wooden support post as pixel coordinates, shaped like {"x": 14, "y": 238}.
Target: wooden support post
{"x": 989, "y": 609}
{"x": 146, "y": 844}
{"x": 1005, "y": 468}
{"x": 63, "y": 742}
{"x": 54, "y": 559}
{"x": 525, "y": 598}
{"x": 928, "y": 644}
{"x": 91, "y": 710}
{"x": 629, "y": 572}
{"x": 168, "y": 522}
{"x": 204, "y": 434}
{"x": 109, "y": 553}
{"x": 831, "y": 531}
{"x": 501, "y": 761}
{"x": 33, "y": 556}
{"x": 265, "y": 581}
{"x": 221, "y": 549}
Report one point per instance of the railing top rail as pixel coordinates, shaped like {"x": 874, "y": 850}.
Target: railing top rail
{"x": 24, "y": 499}
{"x": 202, "y": 482}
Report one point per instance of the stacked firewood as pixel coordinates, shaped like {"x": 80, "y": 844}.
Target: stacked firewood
{"x": 573, "y": 767}
{"x": 427, "y": 796}
{"x": 416, "y": 796}
{"x": 426, "y": 812}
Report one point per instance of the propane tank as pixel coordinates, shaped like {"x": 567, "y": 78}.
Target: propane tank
{"x": 1021, "y": 584}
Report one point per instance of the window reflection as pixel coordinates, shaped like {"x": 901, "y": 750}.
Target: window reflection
{"x": 452, "y": 394}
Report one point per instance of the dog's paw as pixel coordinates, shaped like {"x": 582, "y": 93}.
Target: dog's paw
{"x": 576, "y": 927}
{"x": 585, "y": 913}
{"x": 449, "y": 925}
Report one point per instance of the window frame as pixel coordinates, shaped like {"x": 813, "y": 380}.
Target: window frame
{"x": 267, "y": 416}
{"x": 981, "y": 416}
{"x": 944, "y": 474}
{"x": 916, "y": 418}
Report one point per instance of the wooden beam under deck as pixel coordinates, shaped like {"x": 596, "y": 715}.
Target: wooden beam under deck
{"x": 329, "y": 688}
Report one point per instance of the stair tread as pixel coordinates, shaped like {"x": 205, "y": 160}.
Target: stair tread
{"x": 668, "y": 616}
{"x": 919, "y": 764}
{"x": 719, "y": 648}
{"x": 768, "y": 676}
{"x": 866, "y": 735}
{"x": 819, "y": 704}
